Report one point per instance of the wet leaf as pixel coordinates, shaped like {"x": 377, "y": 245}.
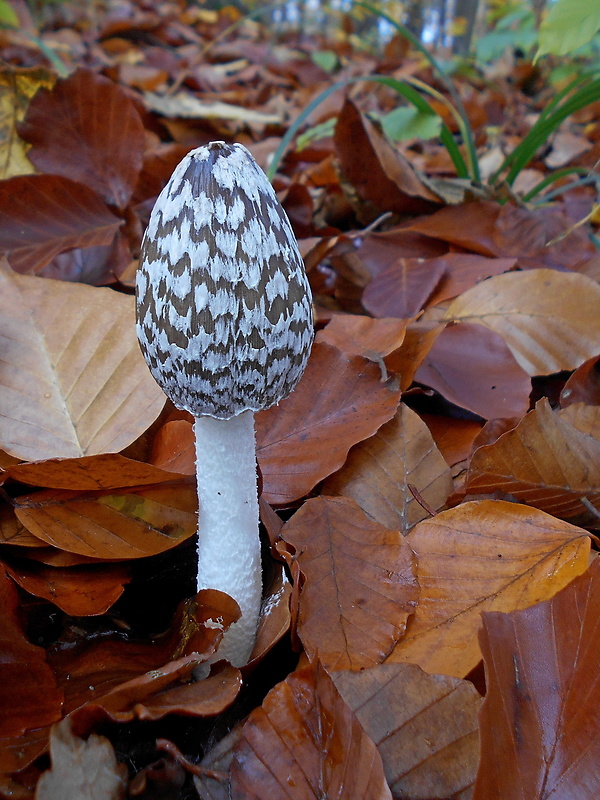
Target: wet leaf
{"x": 488, "y": 382}
{"x": 331, "y": 755}
{"x": 425, "y": 727}
{"x": 87, "y": 129}
{"x": 482, "y": 556}
{"x": 547, "y": 318}
{"x": 540, "y": 729}
{"x": 340, "y": 400}
{"x": 378, "y": 472}
{"x": 29, "y": 696}
{"x": 73, "y": 381}
{"x": 44, "y": 215}
{"x": 545, "y": 462}
{"x": 358, "y": 585}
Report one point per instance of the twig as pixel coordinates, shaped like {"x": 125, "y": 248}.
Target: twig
{"x": 423, "y": 503}
{"x": 195, "y": 769}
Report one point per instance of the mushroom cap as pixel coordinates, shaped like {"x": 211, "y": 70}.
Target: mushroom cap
{"x": 224, "y": 315}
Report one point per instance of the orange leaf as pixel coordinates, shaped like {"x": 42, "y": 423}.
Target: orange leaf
{"x": 358, "y": 583}
{"x": 481, "y": 556}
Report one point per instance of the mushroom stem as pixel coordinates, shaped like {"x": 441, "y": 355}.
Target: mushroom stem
{"x": 228, "y": 541}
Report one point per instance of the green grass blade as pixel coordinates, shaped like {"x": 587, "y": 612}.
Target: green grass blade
{"x": 550, "y": 179}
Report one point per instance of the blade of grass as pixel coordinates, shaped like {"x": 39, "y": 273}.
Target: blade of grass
{"x": 550, "y": 179}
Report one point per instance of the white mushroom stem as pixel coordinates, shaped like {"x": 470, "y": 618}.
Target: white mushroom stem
{"x": 228, "y": 541}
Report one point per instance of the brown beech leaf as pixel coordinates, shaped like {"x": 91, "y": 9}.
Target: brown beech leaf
{"x": 425, "y": 727}
{"x": 44, "y": 215}
{"x": 548, "y": 318}
{"x": 418, "y": 341}
{"x": 464, "y": 270}
{"x": 364, "y": 336}
{"x": 88, "y": 473}
{"x": 453, "y": 437}
{"x": 79, "y": 591}
{"x": 380, "y": 174}
{"x": 472, "y": 367}
{"x": 81, "y": 770}
{"x": 86, "y": 128}
{"x": 469, "y": 225}
{"x": 540, "y": 727}
{"x": 304, "y": 743}
{"x": 72, "y": 379}
{"x": 545, "y": 462}
{"x": 29, "y": 696}
{"x": 358, "y": 584}
{"x": 482, "y": 556}
{"x": 14, "y": 532}
{"x": 340, "y": 400}
{"x": 131, "y": 524}
{"x": 174, "y": 447}
{"x": 378, "y": 472}
{"x": 275, "y": 615}
{"x": 584, "y": 385}
{"x": 403, "y": 289}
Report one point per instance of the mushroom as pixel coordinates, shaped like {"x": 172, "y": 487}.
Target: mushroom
{"x": 224, "y": 320}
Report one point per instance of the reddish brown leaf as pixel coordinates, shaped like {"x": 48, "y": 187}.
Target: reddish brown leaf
{"x": 358, "y": 583}
{"x": 425, "y": 727}
{"x": 464, "y": 270}
{"x": 303, "y": 743}
{"x": 86, "y": 128}
{"x": 378, "y": 472}
{"x": 275, "y": 616}
{"x": 473, "y": 368}
{"x": 486, "y": 555}
{"x": 540, "y": 726}
{"x": 584, "y": 385}
{"x": 469, "y": 225}
{"x": 131, "y": 524}
{"x": 43, "y": 215}
{"x": 545, "y": 462}
{"x": 453, "y": 437}
{"x": 29, "y": 696}
{"x": 418, "y": 341}
{"x": 403, "y": 289}
{"x": 81, "y": 770}
{"x": 90, "y": 473}
{"x": 174, "y": 447}
{"x": 79, "y": 591}
{"x": 340, "y": 400}
{"x": 363, "y": 336}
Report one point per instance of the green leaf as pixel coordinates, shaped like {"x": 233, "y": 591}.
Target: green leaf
{"x": 8, "y": 17}
{"x": 568, "y": 25}
{"x": 326, "y": 59}
{"x": 321, "y": 131}
{"x": 410, "y": 123}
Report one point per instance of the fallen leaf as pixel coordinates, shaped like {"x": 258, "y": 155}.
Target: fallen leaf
{"x": 472, "y": 367}
{"x": 425, "y": 727}
{"x": 584, "y": 385}
{"x": 131, "y": 524}
{"x": 363, "y": 336}
{"x": 404, "y": 288}
{"x": 540, "y": 728}
{"x": 17, "y": 87}
{"x": 339, "y": 401}
{"x": 73, "y": 381}
{"x": 44, "y": 215}
{"x": 379, "y": 470}
{"x": 545, "y": 462}
{"x": 548, "y": 319}
{"x": 188, "y": 106}
{"x": 331, "y": 755}
{"x": 86, "y": 128}
{"x": 481, "y": 556}
{"x": 469, "y": 225}
{"x": 453, "y": 437}
{"x": 81, "y": 770}
{"x": 358, "y": 586}
{"x": 29, "y": 695}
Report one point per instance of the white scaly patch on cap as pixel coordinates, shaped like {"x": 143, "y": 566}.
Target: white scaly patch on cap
{"x": 223, "y": 303}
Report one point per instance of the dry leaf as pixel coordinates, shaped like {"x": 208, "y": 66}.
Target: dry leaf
{"x": 358, "y": 586}
{"x": 549, "y": 319}
{"x": 72, "y": 381}
{"x": 545, "y": 462}
{"x": 482, "y": 556}
{"x": 378, "y": 471}
{"x": 425, "y": 728}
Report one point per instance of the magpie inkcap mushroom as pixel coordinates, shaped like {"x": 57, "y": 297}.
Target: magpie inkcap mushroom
{"x": 224, "y": 320}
